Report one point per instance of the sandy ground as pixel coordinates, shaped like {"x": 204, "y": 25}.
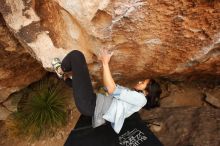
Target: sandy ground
{"x": 57, "y": 140}
{"x": 174, "y": 95}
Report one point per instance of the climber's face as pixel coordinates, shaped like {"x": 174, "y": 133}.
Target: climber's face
{"x": 141, "y": 85}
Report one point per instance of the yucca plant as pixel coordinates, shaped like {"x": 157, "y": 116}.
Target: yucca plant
{"x": 43, "y": 112}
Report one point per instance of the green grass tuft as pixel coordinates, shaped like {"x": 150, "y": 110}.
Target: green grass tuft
{"x": 43, "y": 112}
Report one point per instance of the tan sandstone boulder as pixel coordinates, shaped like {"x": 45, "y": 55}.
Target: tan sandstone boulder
{"x": 17, "y": 68}
{"x": 170, "y": 38}
{"x": 185, "y": 126}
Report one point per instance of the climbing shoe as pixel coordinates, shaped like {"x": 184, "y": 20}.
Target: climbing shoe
{"x": 56, "y": 63}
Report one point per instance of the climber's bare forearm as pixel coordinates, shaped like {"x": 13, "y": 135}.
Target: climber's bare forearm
{"x": 108, "y": 81}
{"x": 105, "y": 56}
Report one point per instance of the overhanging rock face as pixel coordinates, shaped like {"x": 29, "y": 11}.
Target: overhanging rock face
{"x": 17, "y": 68}
{"x": 150, "y": 38}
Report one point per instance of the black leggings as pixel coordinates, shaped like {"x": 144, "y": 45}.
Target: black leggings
{"x": 85, "y": 98}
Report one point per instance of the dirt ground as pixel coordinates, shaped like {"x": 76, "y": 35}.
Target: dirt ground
{"x": 57, "y": 140}
{"x": 174, "y": 95}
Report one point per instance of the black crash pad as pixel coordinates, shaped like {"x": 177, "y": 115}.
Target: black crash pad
{"x": 133, "y": 133}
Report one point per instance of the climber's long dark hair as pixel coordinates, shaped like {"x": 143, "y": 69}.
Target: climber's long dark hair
{"x": 153, "y": 96}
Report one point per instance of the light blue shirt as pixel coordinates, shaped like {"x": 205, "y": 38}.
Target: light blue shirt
{"x": 125, "y": 102}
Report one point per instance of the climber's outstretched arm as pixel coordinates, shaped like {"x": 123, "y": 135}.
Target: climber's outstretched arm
{"x": 108, "y": 81}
